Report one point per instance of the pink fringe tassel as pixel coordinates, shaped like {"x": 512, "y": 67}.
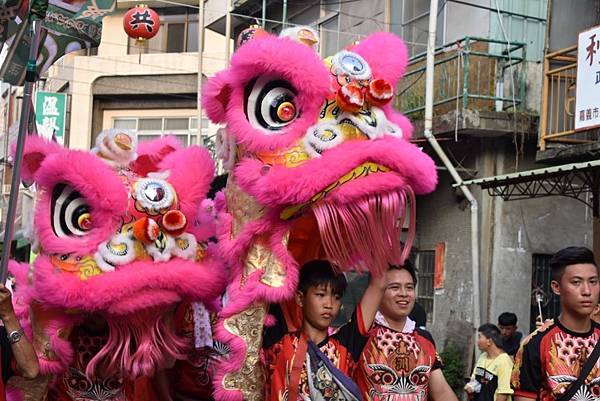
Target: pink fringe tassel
{"x": 138, "y": 345}
{"x": 365, "y": 235}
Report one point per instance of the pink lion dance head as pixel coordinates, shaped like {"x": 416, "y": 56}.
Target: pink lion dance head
{"x": 320, "y": 167}
{"x": 119, "y": 238}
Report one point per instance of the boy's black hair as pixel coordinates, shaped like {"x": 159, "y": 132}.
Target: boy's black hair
{"x": 507, "y": 319}
{"x": 320, "y": 272}
{"x": 409, "y": 267}
{"x": 492, "y": 332}
{"x": 572, "y": 255}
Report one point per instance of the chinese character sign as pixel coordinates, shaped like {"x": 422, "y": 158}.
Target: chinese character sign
{"x": 50, "y": 110}
{"x": 587, "y": 102}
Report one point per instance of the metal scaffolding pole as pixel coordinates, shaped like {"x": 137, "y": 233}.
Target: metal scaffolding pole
{"x": 199, "y": 138}
{"x": 23, "y": 128}
{"x": 228, "y": 33}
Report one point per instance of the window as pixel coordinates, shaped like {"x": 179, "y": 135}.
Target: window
{"x": 178, "y": 33}
{"x": 149, "y": 128}
{"x": 330, "y": 35}
{"x": 424, "y": 262}
{"x": 125, "y": 123}
{"x": 410, "y": 21}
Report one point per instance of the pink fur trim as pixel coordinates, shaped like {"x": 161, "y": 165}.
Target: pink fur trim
{"x": 400, "y": 120}
{"x": 296, "y": 63}
{"x": 270, "y": 321}
{"x": 386, "y": 54}
{"x": 131, "y": 287}
{"x": 151, "y": 153}
{"x": 253, "y": 290}
{"x": 203, "y": 226}
{"x": 36, "y": 150}
{"x": 292, "y": 186}
{"x": 215, "y": 96}
{"x": 100, "y": 186}
{"x": 191, "y": 170}
{"x": 63, "y": 348}
{"x": 14, "y": 394}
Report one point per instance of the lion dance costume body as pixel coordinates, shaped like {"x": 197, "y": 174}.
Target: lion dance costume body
{"x": 320, "y": 167}
{"x": 121, "y": 247}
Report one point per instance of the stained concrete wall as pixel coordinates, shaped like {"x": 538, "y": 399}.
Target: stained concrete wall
{"x": 526, "y": 227}
{"x": 443, "y": 217}
{"x": 568, "y": 18}
{"x": 511, "y": 232}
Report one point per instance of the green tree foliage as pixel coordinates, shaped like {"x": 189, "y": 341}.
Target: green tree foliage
{"x": 454, "y": 368}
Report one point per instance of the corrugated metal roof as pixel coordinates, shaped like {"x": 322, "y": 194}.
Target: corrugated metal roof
{"x": 530, "y": 175}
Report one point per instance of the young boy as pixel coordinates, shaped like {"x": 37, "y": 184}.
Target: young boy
{"x": 491, "y": 376}
{"x": 551, "y": 358}
{"x": 311, "y": 364}
{"x": 400, "y": 361}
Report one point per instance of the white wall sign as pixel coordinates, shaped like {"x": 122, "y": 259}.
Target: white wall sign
{"x": 587, "y": 102}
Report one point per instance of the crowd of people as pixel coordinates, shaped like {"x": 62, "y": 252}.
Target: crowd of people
{"x": 381, "y": 353}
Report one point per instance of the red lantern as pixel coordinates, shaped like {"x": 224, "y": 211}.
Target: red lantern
{"x": 141, "y": 22}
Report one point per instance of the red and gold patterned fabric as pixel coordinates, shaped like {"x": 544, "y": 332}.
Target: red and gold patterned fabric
{"x": 342, "y": 348}
{"x": 396, "y": 366}
{"x": 551, "y": 358}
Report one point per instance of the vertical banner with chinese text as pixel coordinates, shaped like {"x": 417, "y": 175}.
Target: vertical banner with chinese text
{"x": 587, "y": 102}
{"x": 50, "y": 111}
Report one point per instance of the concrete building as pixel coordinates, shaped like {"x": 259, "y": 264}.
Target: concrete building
{"x": 488, "y": 98}
{"x": 151, "y": 88}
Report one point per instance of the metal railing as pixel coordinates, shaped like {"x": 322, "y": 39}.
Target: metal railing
{"x": 557, "y": 120}
{"x": 472, "y": 73}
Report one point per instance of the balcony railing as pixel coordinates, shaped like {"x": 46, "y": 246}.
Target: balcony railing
{"x": 557, "y": 120}
{"x": 473, "y": 73}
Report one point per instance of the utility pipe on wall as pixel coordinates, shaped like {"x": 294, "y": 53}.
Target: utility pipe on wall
{"x": 284, "y": 15}
{"x": 451, "y": 169}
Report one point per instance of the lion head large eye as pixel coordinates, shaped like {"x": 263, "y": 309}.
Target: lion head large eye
{"x": 271, "y": 104}
{"x": 70, "y": 212}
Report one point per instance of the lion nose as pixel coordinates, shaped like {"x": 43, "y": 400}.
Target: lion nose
{"x": 350, "y": 97}
{"x": 146, "y": 230}
{"x": 379, "y": 92}
{"x": 174, "y": 222}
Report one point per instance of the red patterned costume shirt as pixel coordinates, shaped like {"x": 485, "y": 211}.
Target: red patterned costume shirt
{"x": 551, "y": 358}
{"x": 342, "y": 348}
{"x": 396, "y": 366}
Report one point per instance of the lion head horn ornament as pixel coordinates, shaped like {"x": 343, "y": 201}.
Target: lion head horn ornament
{"x": 119, "y": 237}
{"x": 321, "y": 167}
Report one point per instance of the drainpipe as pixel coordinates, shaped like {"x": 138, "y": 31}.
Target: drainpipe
{"x": 457, "y": 178}
{"x": 199, "y": 139}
